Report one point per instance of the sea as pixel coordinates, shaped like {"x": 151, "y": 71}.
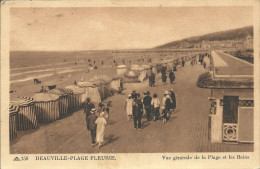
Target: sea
{"x": 27, "y": 65}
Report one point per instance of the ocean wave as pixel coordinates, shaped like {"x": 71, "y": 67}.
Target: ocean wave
{"x": 45, "y": 75}
{"x": 39, "y": 66}
{"x": 36, "y": 71}
{"x": 30, "y": 78}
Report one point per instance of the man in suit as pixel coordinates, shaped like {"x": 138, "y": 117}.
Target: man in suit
{"x": 88, "y": 106}
{"x": 138, "y": 112}
{"x": 91, "y": 126}
{"x": 147, "y": 104}
{"x": 134, "y": 95}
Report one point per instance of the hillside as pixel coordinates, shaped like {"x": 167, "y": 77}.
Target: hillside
{"x": 233, "y": 34}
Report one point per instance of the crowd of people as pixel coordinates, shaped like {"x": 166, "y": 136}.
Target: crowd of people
{"x": 137, "y": 107}
{"x": 149, "y": 107}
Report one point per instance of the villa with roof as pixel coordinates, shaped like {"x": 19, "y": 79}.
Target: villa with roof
{"x": 231, "y": 82}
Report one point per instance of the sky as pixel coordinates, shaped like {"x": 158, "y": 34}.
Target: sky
{"x": 65, "y": 29}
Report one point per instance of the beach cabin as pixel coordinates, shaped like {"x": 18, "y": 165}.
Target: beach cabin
{"x": 63, "y": 101}
{"x": 91, "y": 91}
{"x": 75, "y": 99}
{"x": 103, "y": 86}
{"x": 115, "y": 84}
{"x": 26, "y": 116}
{"x": 13, "y": 111}
{"x": 231, "y": 116}
{"x": 47, "y": 107}
{"x": 142, "y": 74}
{"x": 121, "y": 69}
{"x": 130, "y": 76}
{"x": 134, "y": 67}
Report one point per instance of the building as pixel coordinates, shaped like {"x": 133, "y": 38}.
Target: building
{"x": 249, "y": 42}
{"x": 231, "y": 117}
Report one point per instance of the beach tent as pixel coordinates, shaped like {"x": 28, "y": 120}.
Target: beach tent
{"x": 134, "y": 67}
{"x": 91, "y": 91}
{"x": 154, "y": 69}
{"x": 75, "y": 99}
{"x": 115, "y": 84}
{"x": 63, "y": 101}
{"x": 13, "y": 111}
{"x": 26, "y": 116}
{"x": 103, "y": 85}
{"x": 146, "y": 67}
{"x": 130, "y": 76}
{"x": 121, "y": 69}
{"x": 142, "y": 74}
{"x": 47, "y": 107}
{"x": 71, "y": 99}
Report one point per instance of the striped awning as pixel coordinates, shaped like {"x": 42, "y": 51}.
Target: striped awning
{"x": 76, "y": 89}
{"x": 22, "y": 102}
{"x": 28, "y": 99}
{"x": 66, "y": 91}
{"x": 13, "y": 108}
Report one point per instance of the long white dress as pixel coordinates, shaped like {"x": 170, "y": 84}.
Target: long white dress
{"x": 129, "y": 107}
{"x": 101, "y": 126}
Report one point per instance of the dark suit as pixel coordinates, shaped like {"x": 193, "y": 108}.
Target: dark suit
{"x": 87, "y": 108}
{"x": 138, "y": 112}
{"x": 147, "y": 105}
{"x": 91, "y": 126}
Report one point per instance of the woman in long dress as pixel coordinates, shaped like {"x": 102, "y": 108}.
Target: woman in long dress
{"x": 101, "y": 126}
{"x": 129, "y": 107}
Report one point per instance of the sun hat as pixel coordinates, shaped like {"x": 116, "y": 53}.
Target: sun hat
{"x": 102, "y": 114}
{"x": 166, "y": 92}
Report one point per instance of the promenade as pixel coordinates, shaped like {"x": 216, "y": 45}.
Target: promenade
{"x": 186, "y": 131}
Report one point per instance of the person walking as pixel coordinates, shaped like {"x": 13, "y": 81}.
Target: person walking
{"x": 88, "y": 106}
{"x": 101, "y": 126}
{"x": 171, "y": 76}
{"x": 129, "y": 107}
{"x": 147, "y": 105}
{"x": 134, "y": 95}
{"x": 204, "y": 64}
{"x": 91, "y": 126}
{"x": 156, "y": 106}
{"x": 173, "y": 99}
{"x": 164, "y": 78}
{"x": 138, "y": 112}
{"x": 152, "y": 79}
{"x": 183, "y": 62}
{"x": 166, "y": 106}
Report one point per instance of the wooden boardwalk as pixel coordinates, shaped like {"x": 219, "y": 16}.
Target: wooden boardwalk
{"x": 187, "y": 130}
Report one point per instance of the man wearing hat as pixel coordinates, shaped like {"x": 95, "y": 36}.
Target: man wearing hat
{"x": 91, "y": 125}
{"x": 147, "y": 104}
{"x": 166, "y": 106}
{"x": 173, "y": 99}
{"x": 88, "y": 105}
{"x": 133, "y": 95}
{"x": 137, "y": 112}
{"x": 171, "y": 76}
